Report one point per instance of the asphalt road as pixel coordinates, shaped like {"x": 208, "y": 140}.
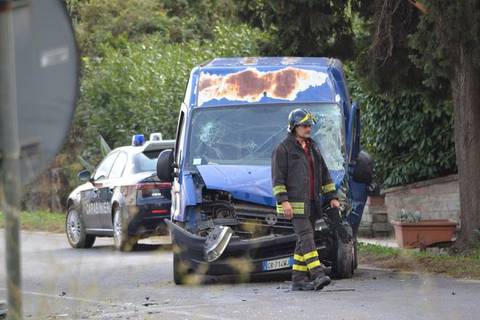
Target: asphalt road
{"x": 101, "y": 283}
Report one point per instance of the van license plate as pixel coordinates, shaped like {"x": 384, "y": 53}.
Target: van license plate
{"x": 277, "y": 264}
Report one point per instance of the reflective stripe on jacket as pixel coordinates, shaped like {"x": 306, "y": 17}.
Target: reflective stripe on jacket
{"x": 290, "y": 176}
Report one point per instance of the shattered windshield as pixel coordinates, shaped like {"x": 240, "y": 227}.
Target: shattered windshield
{"x": 247, "y": 135}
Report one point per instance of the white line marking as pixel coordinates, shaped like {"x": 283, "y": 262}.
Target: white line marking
{"x": 32, "y": 293}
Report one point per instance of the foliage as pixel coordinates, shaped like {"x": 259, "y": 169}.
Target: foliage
{"x": 409, "y": 134}
{"x": 102, "y": 24}
{"x": 302, "y": 27}
{"x": 383, "y": 54}
{"x": 193, "y": 19}
{"x": 456, "y": 32}
{"x": 139, "y": 89}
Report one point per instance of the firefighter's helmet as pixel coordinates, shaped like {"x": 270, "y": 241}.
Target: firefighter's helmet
{"x": 299, "y": 117}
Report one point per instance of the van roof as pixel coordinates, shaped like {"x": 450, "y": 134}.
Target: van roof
{"x": 270, "y": 61}
{"x": 264, "y": 80}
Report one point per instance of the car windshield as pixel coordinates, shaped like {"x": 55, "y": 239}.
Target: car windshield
{"x": 146, "y": 161}
{"x": 247, "y": 135}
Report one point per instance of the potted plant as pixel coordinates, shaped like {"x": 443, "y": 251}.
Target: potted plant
{"x": 411, "y": 231}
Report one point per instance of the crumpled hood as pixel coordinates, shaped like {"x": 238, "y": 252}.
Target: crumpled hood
{"x": 247, "y": 183}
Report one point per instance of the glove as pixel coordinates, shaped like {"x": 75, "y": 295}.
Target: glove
{"x": 333, "y": 215}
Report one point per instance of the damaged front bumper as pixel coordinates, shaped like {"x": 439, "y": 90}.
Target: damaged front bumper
{"x": 229, "y": 254}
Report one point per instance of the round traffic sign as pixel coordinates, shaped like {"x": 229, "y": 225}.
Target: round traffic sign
{"x": 47, "y": 80}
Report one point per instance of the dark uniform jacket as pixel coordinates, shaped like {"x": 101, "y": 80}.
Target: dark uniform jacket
{"x": 290, "y": 177}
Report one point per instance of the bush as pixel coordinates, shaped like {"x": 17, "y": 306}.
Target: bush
{"x": 410, "y": 134}
{"x": 139, "y": 89}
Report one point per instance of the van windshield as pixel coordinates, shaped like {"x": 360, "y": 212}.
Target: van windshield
{"x": 247, "y": 135}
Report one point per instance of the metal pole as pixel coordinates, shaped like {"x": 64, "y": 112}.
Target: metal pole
{"x": 10, "y": 145}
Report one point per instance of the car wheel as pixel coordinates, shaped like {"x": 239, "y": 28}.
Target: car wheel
{"x": 344, "y": 259}
{"x": 75, "y": 230}
{"x": 120, "y": 234}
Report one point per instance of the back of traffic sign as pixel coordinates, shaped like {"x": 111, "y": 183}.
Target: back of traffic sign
{"x": 47, "y": 71}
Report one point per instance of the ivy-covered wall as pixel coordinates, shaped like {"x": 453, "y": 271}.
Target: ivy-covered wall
{"x": 409, "y": 134}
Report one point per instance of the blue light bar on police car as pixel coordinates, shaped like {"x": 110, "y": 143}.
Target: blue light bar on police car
{"x": 138, "y": 140}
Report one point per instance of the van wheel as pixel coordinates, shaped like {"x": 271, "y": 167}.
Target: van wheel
{"x": 75, "y": 231}
{"x": 180, "y": 270}
{"x": 183, "y": 270}
{"x": 344, "y": 259}
{"x": 120, "y": 233}
{"x": 355, "y": 255}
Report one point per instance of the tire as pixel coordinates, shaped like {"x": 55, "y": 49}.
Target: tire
{"x": 75, "y": 231}
{"x": 183, "y": 271}
{"x": 180, "y": 271}
{"x": 121, "y": 239}
{"x": 355, "y": 255}
{"x": 344, "y": 259}
{"x": 3, "y": 310}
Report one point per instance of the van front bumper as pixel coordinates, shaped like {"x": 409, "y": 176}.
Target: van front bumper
{"x": 268, "y": 254}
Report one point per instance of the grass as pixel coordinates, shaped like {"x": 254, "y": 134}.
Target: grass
{"x": 454, "y": 265}
{"x": 40, "y": 221}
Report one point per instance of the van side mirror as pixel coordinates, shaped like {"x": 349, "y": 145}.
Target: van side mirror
{"x": 84, "y": 175}
{"x": 363, "y": 171}
{"x": 165, "y": 165}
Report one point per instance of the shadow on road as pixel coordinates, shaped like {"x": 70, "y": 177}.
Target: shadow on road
{"x": 231, "y": 279}
{"x": 152, "y": 247}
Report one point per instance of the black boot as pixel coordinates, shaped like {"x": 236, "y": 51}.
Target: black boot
{"x": 320, "y": 282}
{"x": 303, "y": 286}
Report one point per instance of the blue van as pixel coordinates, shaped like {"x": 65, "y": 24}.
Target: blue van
{"x": 235, "y": 111}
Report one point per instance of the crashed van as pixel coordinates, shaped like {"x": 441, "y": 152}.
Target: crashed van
{"x": 223, "y": 216}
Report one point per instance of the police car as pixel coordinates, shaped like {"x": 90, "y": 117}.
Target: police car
{"x": 123, "y": 198}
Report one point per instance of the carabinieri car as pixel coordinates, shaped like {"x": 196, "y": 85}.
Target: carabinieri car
{"x": 123, "y": 198}
{"x": 223, "y": 210}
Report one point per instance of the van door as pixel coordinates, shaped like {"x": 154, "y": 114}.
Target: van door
{"x": 176, "y": 210}
{"x": 357, "y": 190}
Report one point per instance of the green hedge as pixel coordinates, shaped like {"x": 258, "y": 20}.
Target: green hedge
{"x": 410, "y": 135}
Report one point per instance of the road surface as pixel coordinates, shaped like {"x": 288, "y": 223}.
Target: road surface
{"x": 101, "y": 283}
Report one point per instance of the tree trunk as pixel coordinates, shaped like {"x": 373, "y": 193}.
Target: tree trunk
{"x": 466, "y": 99}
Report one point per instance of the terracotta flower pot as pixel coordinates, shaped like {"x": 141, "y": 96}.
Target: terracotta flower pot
{"x": 424, "y": 233}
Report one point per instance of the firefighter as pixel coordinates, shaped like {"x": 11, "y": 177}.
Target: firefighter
{"x": 299, "y": 175}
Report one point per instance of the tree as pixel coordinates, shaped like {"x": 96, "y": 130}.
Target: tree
{"x": 444, "y": 43}
{"x": 302, "y": 27}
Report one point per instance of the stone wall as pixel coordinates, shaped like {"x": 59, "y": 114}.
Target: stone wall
{"x": 436, "y": 199}
{"x": 375, "y": 218}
